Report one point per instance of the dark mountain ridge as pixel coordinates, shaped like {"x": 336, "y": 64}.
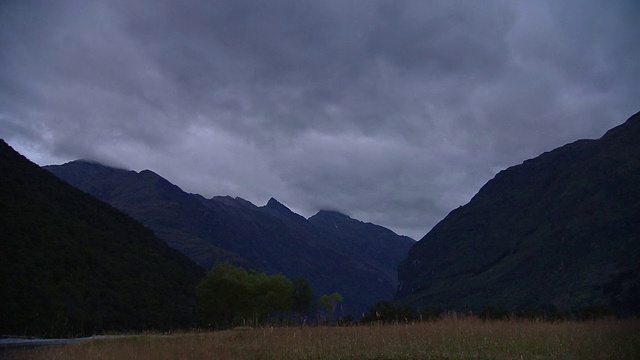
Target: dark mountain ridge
{"x": 73, "y": 265}
{"x": 367, "y": 240}
{"x": 561, "y": 231}
{"x": 269, "y": 238}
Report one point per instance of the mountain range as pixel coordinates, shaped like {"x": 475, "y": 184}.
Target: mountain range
{"x": 72, "y": 265}
{"x": 334, "y": 252}
{"x": 560, "y": 231}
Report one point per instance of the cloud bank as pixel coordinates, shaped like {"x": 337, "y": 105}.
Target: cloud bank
{"x": 394, "y": 112}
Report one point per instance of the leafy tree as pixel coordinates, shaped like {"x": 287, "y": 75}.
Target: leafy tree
{"x": 280, "y": 293}
{"x": 303, "y": 296}
{"x": 335, "y": 299}
{"x": 230, "y": 295}
{"x": 302, "y": 299}
{"x": 223, "y": 295}
{"x": 272, "y": 295}
{"x": 329, "y": 303}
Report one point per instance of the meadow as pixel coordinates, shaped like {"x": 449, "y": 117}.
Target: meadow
{"x": 450, "y": 337}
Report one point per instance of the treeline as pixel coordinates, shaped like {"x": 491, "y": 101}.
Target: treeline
{"x": 387, "y": 312}
{"x": 230, "y": 296}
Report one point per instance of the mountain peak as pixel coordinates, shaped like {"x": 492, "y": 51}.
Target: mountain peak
{"x": 276, "y": 208}
{"x": 274, "y": 204}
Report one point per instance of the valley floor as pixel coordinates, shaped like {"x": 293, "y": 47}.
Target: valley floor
{"x": 448, "y": 338}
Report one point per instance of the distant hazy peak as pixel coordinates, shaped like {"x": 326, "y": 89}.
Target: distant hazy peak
{"x": 332, "y": 213}
{"x": 235, "y": 202}
{"x": 151, "y": 174}
{"x": 94, "y": 163}
{"x": 331, "y": 218}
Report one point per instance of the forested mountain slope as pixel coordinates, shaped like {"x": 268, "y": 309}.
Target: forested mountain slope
{"x": 73, "y": 265}
{"x": 561, "y": 231}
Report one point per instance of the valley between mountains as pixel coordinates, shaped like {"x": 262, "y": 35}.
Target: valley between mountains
{"x": 333, "y": 251}
{"x": 116, "y": 250}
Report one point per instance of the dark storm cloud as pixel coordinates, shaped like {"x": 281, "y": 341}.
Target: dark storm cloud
{"x": 394, "y": 112}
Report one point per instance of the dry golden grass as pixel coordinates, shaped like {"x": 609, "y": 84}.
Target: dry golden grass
{"x": 448, "y": 338}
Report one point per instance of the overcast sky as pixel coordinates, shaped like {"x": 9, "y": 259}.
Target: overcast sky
{"x": 393, "y": 112}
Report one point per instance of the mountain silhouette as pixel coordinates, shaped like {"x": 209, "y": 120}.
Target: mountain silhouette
{"x": 561, "y": 231}
{"x": 270, "y": 238}
{"x": 72, "y": 265}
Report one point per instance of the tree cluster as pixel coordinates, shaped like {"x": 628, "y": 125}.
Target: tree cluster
{"x": 230, "y": 296}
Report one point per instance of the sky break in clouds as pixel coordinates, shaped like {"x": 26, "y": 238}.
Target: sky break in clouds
{"x": 393, "y": 112}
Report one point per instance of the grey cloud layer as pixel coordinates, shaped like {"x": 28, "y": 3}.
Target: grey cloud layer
{"x": 394, "y": 112}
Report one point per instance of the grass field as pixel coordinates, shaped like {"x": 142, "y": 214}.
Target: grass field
{"x": 449, "y": 338}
